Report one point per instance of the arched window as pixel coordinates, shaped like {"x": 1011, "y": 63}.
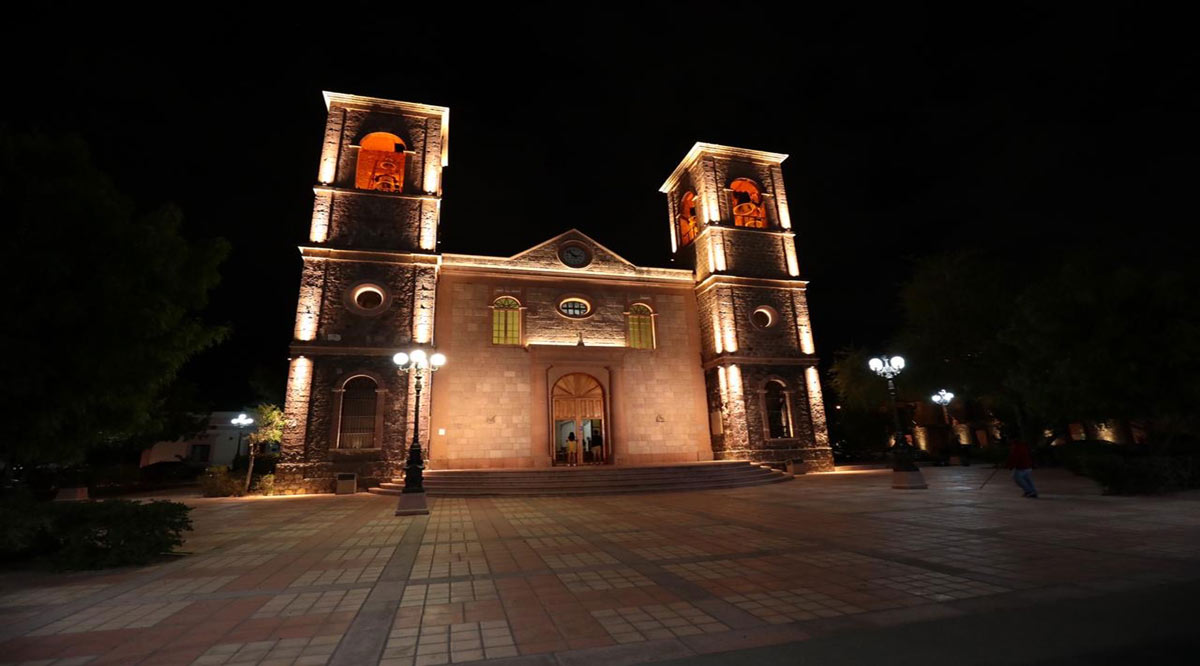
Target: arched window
{"x": 778, "y": 410}
{"x": 506, "y": 321}
{"x": 688, "y": 226}
{"x": 380, "y": 163}
{"x": 748, "y": 208}
{"x": 641, "y": 326}
{"x": 357, "y": 430}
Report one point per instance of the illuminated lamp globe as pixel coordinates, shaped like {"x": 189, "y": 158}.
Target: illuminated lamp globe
{"x": 437, "y": 360}
{"x": 898, "y": 362}
{"x": 875, "y": 364}
{"x": 418, "y": 356}
{"x": 400, "y": 359}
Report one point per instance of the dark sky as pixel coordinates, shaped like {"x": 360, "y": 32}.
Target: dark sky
{"x": 908, "y": 134}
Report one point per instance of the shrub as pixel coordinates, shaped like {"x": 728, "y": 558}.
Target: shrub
{"x": 23, "y": 529}
{"x": 265, "y": 484}
{"x": 264, "y": 463}
{"x": 1124, "y": 469}
{"x": 220, "y": 482}
{"x": 168, "y": 471}
{"x": 91, "y": 535}
{"x": 112, "y": 533}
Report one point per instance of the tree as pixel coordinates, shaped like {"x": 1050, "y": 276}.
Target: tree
{"x": 269, "y": 419}
{"x": 1041, "y": 337}
{"x": 864, "y": 421}
{"x": 1100, "y": 339}
{"x": 104, "y": 302}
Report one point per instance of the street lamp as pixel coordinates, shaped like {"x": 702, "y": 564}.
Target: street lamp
{"x": 241, "y": 421}
{"x": 943, "y": 398}
{"x": 415, "y": 363}
{"x": 904, "y": 471}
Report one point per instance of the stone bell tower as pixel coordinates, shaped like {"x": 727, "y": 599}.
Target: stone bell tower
{"x": 367, "y": 288}
{"x": 729, "y": 223}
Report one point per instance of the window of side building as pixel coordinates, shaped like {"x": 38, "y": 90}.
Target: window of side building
{"x": 506, "y": 321}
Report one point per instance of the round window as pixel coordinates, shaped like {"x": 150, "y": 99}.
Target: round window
{"x": 574, "y": 307}
{"x": 764, "y": 316}
{"x": 368, "y": 298}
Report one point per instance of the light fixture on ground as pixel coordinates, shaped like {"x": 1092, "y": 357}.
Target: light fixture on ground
{"x": 905, "y": 474}
{"x": 415, "y": 364}
{"x": 241, "y": 421}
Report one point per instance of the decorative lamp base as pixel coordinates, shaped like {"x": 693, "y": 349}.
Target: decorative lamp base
{"x": 412, "y": 504}
{"x": 913, "y": 480}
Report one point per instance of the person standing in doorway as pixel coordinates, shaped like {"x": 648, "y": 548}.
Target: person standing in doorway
{"x": 572, "y": 450}
{"x": 1020, "y": 461}
{"x": 597, "y": 446}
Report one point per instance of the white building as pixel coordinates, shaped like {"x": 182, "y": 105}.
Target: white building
{"x": 217, "y": 444}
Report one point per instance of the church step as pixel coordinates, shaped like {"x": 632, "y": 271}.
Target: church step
{"x": 592, "y": 480}
{"x": 595, "y": 468}
{"x": 568, "y": 479}
{"x": 537, "y": 490}
{"x": 585, "y": 472}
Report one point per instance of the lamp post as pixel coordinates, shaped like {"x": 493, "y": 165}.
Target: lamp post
{"x": 942, "y": 398}
{"x": 904, "y": 471}
{"x": 241, "y": 421}
{"x": 415, "y": 363}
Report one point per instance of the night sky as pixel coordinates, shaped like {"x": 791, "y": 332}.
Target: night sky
{"x": 908, "y": 134}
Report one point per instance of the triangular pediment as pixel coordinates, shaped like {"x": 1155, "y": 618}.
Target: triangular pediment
{"x": 547, "y": 254}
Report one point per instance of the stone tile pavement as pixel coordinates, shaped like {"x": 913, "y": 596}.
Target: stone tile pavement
{"x": 597, "y": 580}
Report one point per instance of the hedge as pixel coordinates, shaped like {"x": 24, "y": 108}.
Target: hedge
{"x": 90, "y": 535}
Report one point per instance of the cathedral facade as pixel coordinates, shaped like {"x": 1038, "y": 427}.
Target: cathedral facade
{"x": 564, "y": 353}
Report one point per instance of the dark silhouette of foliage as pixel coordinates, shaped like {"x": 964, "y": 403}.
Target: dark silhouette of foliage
{"x": 104, "y": 302}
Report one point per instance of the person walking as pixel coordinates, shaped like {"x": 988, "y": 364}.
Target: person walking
{"x": 1020, "y": 461}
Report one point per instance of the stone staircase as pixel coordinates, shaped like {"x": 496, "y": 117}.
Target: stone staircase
{"x": 591, "y": 480}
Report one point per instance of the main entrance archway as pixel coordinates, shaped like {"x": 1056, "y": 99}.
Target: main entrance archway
{"x": 577, "y": 405}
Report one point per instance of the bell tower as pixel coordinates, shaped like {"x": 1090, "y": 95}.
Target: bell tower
{"x": 367, "y": 288}
{"x": 729, "y": 223}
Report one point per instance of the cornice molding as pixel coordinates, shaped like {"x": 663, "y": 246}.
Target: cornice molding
{"x": 723, "y": 280}
{"x": 736, "y": 359}
{"x": 333, "y": 99}
{"x": 701, "y": 150}
{"x": 373, "y": 256}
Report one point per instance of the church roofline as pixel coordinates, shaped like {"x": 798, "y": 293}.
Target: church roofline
{"x": 568, "y": 232}
{"x": 359, "y": 101}
{"x": 701, "y": 148}
{"x": 513, "y": 263}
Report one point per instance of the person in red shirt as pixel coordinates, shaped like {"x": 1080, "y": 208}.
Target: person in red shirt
{"x": 1020, "y": 461}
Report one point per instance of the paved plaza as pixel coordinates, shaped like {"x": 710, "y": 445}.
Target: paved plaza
{"x": 829, "y": 563}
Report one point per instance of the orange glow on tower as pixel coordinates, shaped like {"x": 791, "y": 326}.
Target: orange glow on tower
{"x": 748, "y": 208}
{"x": 380, "y": 163}
{"x": 688, "y": 225}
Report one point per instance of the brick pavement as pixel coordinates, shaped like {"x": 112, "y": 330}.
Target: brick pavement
{"x": 582, "y": 580}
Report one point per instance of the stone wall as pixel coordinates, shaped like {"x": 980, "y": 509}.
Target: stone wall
{"x": 492, "y": 401}
{"x": 341, "y": 322}
{"x": 375, "y": 221}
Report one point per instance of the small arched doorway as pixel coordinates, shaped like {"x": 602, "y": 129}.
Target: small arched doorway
{"x": 577, "y": 403}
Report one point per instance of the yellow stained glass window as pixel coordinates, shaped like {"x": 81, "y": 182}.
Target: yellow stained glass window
{"x": 506, "y": 321}
{"x": 641, "y": 327}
